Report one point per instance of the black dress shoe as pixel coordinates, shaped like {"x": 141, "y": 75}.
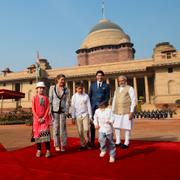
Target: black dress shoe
{"x": 93, "y": 145}
{"x": 118, "y": 145}
{"x": 88, "y": 145}
{"x": 81, "y": 148}
{"x": 123, "y": 146}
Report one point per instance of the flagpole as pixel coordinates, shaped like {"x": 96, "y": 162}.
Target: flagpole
{"x": 103, "y": 9}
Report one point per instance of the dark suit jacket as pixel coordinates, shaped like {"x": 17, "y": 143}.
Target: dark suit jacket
{"x": 99, "y": 94}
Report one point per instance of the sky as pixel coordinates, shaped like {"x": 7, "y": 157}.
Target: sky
{"x": 56, "y": 28}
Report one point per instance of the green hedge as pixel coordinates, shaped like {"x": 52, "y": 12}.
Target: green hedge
{"x": 13, "y": 122}
{"x": 28, "y": 122}
{"x": 13, "y": 118}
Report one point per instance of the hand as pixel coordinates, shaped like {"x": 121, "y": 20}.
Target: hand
{"x": 131, "y": 115}
{"x": 97, "y": 126}
{"x": 91, "y": 121}
{"x": 41, "y": 120}
{"x": 108, "y": 122}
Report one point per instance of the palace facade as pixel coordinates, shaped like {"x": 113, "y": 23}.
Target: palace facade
{"x": 107, "y": 47}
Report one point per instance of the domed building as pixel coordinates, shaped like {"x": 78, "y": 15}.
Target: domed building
{"x": 106, "y": 43}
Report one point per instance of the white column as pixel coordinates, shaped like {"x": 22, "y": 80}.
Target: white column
{"x": 89, "y": 85}
{"x": 74, "y": 87}
{"x": 116, "y": 82}
{"x": 146, "y": 89}
{"x": 108, "y": 82}
{"x": 84, "y": 84}
{"x": 66, "y": 84}
{"x": 135, "y": 87}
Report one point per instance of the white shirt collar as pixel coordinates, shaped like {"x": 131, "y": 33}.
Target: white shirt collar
{"x": 99, "y": 83}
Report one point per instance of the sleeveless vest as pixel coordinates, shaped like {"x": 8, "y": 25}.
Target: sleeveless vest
{"x": 122, "y": 101}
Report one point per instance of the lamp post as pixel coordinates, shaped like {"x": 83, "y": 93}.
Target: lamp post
{"x": 37, "y": 67}
{"x": 37, "y": 72}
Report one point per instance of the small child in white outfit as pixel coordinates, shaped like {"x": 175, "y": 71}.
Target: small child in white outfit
{"x": 103, "y": 122}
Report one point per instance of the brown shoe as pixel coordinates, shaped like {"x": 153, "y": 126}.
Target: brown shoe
{"x": 88, "y": 145}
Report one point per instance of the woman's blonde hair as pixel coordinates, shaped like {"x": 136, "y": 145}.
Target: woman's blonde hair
{"x": 59, "y": 76}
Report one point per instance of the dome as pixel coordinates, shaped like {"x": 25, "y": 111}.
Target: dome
{"x": 105, "y": 33}
{"x": 164, "y": 47}
{"x": 105, "y": 24}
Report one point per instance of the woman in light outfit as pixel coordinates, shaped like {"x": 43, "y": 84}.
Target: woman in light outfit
{"x": 59, "y": 102}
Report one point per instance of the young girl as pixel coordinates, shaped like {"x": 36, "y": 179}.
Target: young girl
{"x": 41, "y": 119}
{"x": 102, "y": 121}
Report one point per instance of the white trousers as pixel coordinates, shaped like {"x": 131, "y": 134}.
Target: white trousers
{"x": 126, "y": 137}
{"x": 59, "y": 129}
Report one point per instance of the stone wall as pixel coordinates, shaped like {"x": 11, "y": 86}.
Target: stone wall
{"x": 105, "y": 56}
{"x": 167, "y": 85}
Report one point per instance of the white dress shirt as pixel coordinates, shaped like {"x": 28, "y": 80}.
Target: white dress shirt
{"x": 80, "y": 106}
{"x": 102, "y": 117}
{"x": 99, "y": 84}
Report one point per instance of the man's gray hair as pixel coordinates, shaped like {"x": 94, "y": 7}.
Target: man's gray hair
{"x": 122, "y": 77}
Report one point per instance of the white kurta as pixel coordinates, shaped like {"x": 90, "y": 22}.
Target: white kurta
{"x": 122, "y": 121}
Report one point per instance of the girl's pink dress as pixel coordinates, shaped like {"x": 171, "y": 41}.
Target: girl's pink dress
{"x": 40, "y": 110}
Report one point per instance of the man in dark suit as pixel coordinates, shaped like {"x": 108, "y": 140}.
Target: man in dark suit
{"x": 99, "y": 92}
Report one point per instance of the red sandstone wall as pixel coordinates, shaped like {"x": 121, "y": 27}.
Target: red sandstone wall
{"x": 105, "y": 56}
{"x": 82, "y": 59}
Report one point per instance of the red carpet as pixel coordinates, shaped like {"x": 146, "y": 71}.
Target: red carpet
{"x": 142, "y": 161}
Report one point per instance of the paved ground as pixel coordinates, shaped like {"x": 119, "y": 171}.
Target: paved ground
{"x": 17, "y": 136}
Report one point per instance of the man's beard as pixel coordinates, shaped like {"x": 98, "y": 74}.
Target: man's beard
{"x": 122, "y": 85}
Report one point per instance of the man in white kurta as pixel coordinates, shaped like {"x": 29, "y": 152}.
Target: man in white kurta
{"x": 123, "y": 106}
